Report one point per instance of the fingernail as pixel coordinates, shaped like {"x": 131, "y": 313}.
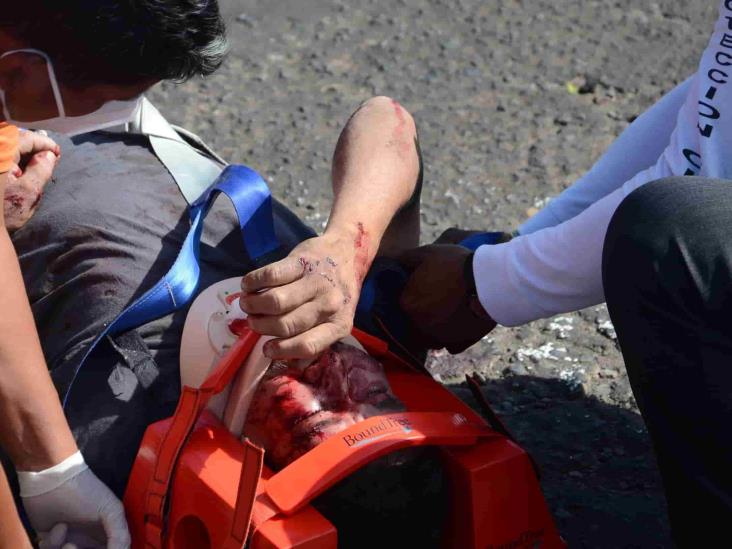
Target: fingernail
{"x": 17, "y": 172}
{"x": 50, "y": 155}
{"x": 267, "y": 350}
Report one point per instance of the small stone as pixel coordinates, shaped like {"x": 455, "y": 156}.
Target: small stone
{"x": 245, "y": 19}
{"x": 515, "y": 369}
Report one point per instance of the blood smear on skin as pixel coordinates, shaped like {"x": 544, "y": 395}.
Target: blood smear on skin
{"x": 15, "y": 201}
{"x": 361, "y": 260}
{"x": 399, "y": 113}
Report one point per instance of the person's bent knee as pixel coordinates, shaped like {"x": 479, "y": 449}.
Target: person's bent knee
{"x": 640, "y": 227}
{"x": 653, "y": 225}
{"x": 640, "y": 219}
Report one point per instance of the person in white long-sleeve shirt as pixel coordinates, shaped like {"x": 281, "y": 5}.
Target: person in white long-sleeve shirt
{"x": 648, "y": 230}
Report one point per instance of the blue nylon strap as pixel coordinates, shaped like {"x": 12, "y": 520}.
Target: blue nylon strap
{"x": 253, "y": 204}
{"x": 252, "y": 201}
{"x": 477, "y": 240}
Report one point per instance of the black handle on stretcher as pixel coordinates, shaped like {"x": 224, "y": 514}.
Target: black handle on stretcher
{"x": 192, "y": 403}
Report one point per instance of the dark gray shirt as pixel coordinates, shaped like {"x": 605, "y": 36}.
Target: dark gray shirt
{"x": 107, "y": 229}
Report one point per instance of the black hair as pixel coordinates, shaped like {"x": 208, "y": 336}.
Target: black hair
{"x": 122, "y": 41}
{"x": 397, "y": 501}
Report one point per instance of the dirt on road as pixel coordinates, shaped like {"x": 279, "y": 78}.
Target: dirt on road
{"x": 514, "y": 100}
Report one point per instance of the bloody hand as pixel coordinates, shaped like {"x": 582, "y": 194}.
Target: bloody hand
{"x": 307, "y": 300}
{"x": 37, "y": 158}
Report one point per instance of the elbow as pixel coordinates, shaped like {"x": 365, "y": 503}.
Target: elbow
{"x": 390, "y": 108}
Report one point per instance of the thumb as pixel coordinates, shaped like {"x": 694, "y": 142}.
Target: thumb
{"x": 39, "y": 170}
{"x": 33, "y": 142}
{"x": 115, "y": 525}
{"x": 15, "y": 171}
{"x": 53, "y": 538}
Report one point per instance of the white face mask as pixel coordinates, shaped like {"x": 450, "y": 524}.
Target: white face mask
{"x": 113, "y": 113}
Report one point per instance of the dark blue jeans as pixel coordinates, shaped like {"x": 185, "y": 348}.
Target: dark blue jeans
{"x": 667, "y": 272}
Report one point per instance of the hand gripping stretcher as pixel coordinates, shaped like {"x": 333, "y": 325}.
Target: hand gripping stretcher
{"x": 197, "y": 485}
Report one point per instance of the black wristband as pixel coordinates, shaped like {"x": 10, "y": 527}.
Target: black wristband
{"x": 472, "y": 301}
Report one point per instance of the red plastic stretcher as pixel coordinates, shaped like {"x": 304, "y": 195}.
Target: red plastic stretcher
{"x": 196, "y": 486}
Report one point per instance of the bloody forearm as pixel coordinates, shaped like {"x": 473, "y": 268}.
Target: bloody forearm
{"x": 375, "y": 170}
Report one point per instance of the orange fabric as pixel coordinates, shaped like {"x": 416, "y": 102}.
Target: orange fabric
{"x": 9, "y": 136}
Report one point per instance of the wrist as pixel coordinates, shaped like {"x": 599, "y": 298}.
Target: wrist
{"x": 474, "y": 304}
{"x": 341, "y": 231}
{"x": 346, "y": 229}
{"x": 38, "y": 438}
{"x": 357, "y": 239}
{"x": 38, "y": 483}
{"x": 342, "y": 239}
{"x": 48, "y": 456}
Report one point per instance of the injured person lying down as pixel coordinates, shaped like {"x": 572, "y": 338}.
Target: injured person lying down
{"x": 296, "y": 406}
{"x": 290, "y": 407}
{"x": 396, "y": 501}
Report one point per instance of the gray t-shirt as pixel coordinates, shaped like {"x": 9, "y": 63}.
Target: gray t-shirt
{"x": 107, "y": 229}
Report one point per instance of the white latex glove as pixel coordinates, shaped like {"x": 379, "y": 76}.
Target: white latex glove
{"x": 71, "y": 493}
{"x": 60, "y": 537}
{"x": 56, "y": 538}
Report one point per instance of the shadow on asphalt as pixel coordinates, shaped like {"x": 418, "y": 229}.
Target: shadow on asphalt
{"x": 581, "y": 444}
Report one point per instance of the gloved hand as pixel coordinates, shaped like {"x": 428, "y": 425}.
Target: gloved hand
{"x": 60, "y": 537}
{"x": 71, "y": 493}
{"x": 56, "y": 538}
